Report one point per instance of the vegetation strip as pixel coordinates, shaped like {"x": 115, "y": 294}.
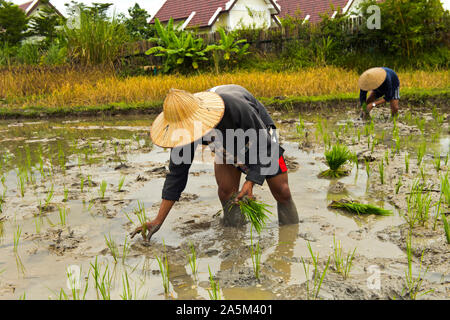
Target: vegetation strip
{"x": 438, "y": 97}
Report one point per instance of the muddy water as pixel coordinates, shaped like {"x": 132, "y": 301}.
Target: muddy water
{"x": 71, "y": 154}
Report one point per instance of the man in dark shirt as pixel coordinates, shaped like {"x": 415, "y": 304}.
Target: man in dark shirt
{"x": 239, "y": 130}
{"x": 383, "y": 82}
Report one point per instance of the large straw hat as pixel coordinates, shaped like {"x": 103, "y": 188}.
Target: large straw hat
{"x": 186, "y": 118}
{"x": 372, "y": 79}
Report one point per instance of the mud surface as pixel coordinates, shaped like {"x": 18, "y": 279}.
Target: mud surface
{"x": 63, "y": 200}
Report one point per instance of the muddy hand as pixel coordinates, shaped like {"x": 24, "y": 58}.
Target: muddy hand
{"x": 247, "y": 191}
{"x": 146, "y": 231}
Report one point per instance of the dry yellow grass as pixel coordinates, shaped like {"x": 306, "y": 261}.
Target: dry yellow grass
{"x": 68, "y": 87}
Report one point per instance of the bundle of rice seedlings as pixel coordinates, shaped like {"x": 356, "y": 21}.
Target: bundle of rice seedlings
{"x": 335, "y": 157}
{"x": 254, "y": 212}
{"x": 359, "y": 208}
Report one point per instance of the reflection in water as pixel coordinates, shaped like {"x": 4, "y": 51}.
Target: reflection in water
{"x": 287, "y": 236}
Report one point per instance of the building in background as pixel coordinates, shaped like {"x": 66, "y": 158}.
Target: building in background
{"x": 33, "y": 8}
{"x": 209, "y": 15}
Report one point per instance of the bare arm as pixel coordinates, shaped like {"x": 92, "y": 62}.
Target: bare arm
{"x": 153, "y": 226}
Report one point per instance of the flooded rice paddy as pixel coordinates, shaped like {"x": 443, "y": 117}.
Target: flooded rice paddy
{"x": 72, "y": 191}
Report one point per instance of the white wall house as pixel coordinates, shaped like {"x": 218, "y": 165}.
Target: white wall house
{"x": 211, "y": 15}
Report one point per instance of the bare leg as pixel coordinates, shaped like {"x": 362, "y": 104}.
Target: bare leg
{"x": 394, "y": 107}
{"x": 287, "y": 211}
{"x": 228, "y": 179}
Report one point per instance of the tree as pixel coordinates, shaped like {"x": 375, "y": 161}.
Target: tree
{"x": 45, "y": 24}
{"x": 97, "y": 10}
{"x": 408, "y": 27}
{"x": 138, "y": 25}
{"x": 13, "y": 23}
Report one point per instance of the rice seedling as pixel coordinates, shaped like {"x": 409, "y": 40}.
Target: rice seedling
{"x": 103, "y": 281}
{"x": 19, "y": 264}
{"x": 102, "y": 189}
{"x": 445, "y": 188}
{"x": 214, "y": 287}
{"x": 381, "y": 171}
{"x": 446, "y": 160}
{"x": 127, "y": 293}
{"x": 398, "y": 185}
{"x": 66, "y": 194}
{"x": 438, "y": 211}
{"x": 367, "y": 168}
{"x": 256, "y": 256}
{"x": 421, "y": 124}
{"x": 407, "y": 163}
{"x": 422, "y": 173}
{"x": 72, "y": 281}
{"x": 163, "y": 264}
{"x": 300, "y": 126}
{"x": 17, "y": 235}
{"x": 386, "y": 156}
{"x": 121, "y": 182}
{"x": 446, "y": 227}
{"x": 141, "y": 213}
{"x": 254, "y": 212}
{"x": 38, "y": 223}
{"x": 192, "y": 260}
{"x": 125, "y": 250}
{"x": 437, "y": 161}
{"x": 419, "y": 205}
{"x": 335, "y": 158}
{"x": 421, "y": 150}
{"x": 341, "y": 264}
{"x": 49, "y": 196}
{"x": 359, "y": 208}
{"x": 62, "y": 211}
{"x": 413, "y": 285}
{"x": 313, "y": 285}
{"x": 113, "y": 249}
{"x": 21, "y": 181}
{"x": 358, "y": 133}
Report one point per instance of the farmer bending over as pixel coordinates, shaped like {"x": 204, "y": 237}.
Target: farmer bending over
{"x": 239, "y": 130}
{"x": 382, "y": 82}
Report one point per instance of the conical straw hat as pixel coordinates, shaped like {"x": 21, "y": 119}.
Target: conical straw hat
{"x": 372, "y": 79}
{"x": 186, "y": 118}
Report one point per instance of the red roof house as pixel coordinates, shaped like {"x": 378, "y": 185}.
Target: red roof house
{"x": 311, "y": 10}
{"x": 33, "y": 7}
{"x": 211, "y": 14}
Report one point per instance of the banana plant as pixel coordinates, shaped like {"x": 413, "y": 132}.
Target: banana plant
{"x": 229, "y": 49}
{"x": 179, "y": 48}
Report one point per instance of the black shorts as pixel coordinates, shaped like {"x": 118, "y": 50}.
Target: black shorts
{"x": 282, "y": 168}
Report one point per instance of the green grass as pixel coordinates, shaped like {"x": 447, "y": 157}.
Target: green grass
{"x": 359, "y": 208}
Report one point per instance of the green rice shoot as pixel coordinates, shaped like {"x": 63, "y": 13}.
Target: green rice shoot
{"x": 335, "y": 158}
{"x": 255, "y": 212}
{"x": 359, "y": 208}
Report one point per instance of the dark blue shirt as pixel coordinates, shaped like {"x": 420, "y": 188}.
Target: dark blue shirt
{"x": 242, "y": 111}
{"x": 387, "y": 88}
